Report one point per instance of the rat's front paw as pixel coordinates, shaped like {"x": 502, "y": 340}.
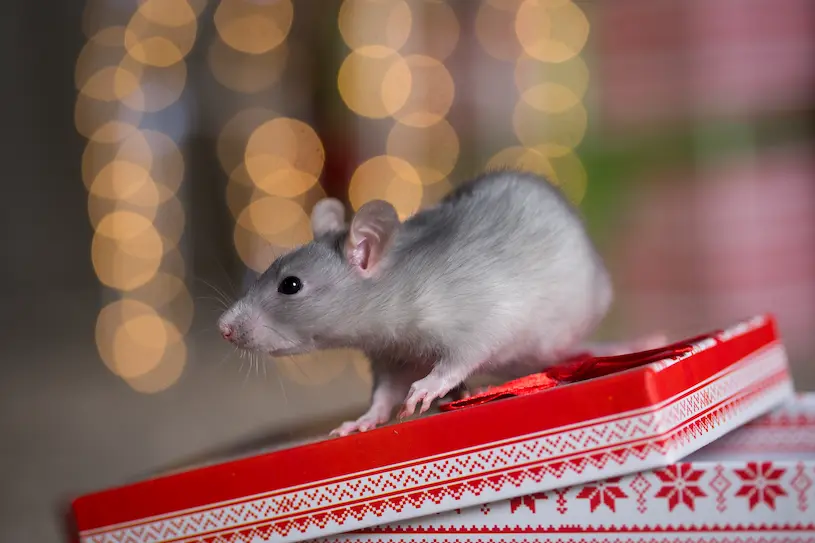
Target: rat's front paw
{"x": 362, "y": 424}
{"x": 425, "y": 390}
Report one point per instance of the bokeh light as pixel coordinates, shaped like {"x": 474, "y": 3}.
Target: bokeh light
{"x": 572, "y": 74}
{"x": 243, "y": 72}
{"x": 495, "y": 29}
{"x": 284, "y": 157}
{"x": 431, "y": 92}
{"x": 253, "y": 27}
{"x": 234, "y": 135}
{"x": 374, "y": 81}
{"x": 551, "y": 30}
{"x": 131, "y": 67}
{"x": 433, "y": 151}
{"x": 440, "y": 30}
{"x": 156, "y": 40}
{"x": 318, "y": 369}
{"x": 535, "y": 127}
{"x": 387, "y": 178}
{"x": 375, "y": 22}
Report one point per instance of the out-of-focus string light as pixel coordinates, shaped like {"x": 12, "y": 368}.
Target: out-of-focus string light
{"x": 254, "y": 27}
{"x": 544, "y": 38}
{"x": 132, "y": 66}
{"x": 273, "y": 162}
{"x": 395, "y": 69}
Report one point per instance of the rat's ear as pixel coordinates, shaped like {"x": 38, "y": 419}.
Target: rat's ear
{"x": 372, "y": 230}
{"x": 328, "y": 215}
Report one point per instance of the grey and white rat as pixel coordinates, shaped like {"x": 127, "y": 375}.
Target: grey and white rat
{"x": 499, "y": 277}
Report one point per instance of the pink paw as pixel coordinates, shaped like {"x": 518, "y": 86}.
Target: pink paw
{"x": 362, "y": 424}
{"x": 425, "y": 391}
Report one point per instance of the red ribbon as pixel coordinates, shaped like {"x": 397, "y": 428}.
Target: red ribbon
{"x": 578, "y": 368}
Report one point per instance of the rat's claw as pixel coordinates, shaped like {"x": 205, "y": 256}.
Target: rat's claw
{"x": 425, "y": 391}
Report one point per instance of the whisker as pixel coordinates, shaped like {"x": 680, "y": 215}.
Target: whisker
{"x": 226, "y": 299}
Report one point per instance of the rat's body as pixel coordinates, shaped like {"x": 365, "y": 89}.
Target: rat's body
{"x": 499, "y": 277}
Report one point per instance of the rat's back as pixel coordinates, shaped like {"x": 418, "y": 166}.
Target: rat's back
{"x": 506, "y": 256}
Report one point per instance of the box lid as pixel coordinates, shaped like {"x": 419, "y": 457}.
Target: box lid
{"x": 641, "y": 418}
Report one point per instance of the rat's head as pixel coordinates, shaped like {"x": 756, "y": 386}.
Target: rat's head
{"x": 302, "y": 301}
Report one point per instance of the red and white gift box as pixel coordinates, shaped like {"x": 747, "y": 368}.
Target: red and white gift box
{"x": 756, "y": 484}
{"x": 514, "y": 454}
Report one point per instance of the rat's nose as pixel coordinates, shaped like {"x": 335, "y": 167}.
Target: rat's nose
{"x": 227, "y": 331}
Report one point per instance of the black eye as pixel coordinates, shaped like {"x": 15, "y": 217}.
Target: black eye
{"x": 289, "y": 286}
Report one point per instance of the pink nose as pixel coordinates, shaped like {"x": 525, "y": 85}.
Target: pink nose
{"x": 227, "y": 331}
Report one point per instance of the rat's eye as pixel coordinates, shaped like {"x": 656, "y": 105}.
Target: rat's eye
{"x": 290, "y": 285}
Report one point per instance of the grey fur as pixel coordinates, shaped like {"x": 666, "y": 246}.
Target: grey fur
{"x": 500, "y": 276}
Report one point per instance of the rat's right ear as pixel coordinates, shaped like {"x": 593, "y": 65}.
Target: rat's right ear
{"x": 371, "y": 232}
{"x": 328, "y": 215}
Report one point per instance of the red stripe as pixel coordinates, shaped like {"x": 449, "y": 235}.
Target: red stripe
{"x": 411, "y": 441}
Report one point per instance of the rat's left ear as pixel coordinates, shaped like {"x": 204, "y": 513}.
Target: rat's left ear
{"x": 372, "y": 230}
{"x": 328, "y": 215}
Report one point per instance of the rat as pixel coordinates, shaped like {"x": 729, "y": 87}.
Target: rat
{"x": 499, "y": 277}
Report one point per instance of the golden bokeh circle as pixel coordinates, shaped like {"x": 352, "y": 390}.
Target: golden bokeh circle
{"x": 111, "y": 83}
{"x": 551, "y": 30}
{"x": 388, "y": 178}
{"x": 375, "y": 22}
{"x": 569, "y": 174}
{"x": 153, "y": 89}
{"x": 534, "y": 127}
{"x": 432, "y": 151}
{"x": 431, "y": 92}
{"x": 231, "y": 145}
{"x": 103, "y": 49}
{"x": 126, "y": 250}
{"x": 104, "y": 122}
{"x": 495, "y": 29}
{"x": 277, "y": 220}
{"x": 132, "y": 338}
{"x": 550, "y": 98}
{"x": 158, "y": 45}
{"x": 374, "y": 81}
{"x": 245, "y": 73}
{"x": 165, "y": 374}
{"x": 172, "y": 13}
{"x": 170, "y": 222}
{"x": 439, "y": 30}
{"x": 284, "y": 157}
{"x": 253, "y": 27}
{"x": 169, "y": 296}
{"x": 240, "y": 191}
{"x": 317, "y": 369}
{"x": 115, "y": 167}
{"x": 573, "y": 74}
{"x": 522, "y": 158}
{"x": 125, "y": 181}
{"x": 558, "y": 164}
{"x": 108, "y": 322}
{"x": 139, "y": 344}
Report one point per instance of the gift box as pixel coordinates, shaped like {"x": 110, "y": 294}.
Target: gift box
{"x": 596, "y": 419}
{"x": 756, "y": 484}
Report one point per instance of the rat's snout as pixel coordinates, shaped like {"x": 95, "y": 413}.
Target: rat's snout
{"x": 229, "y": 326}
{"x": 227, "y": 331}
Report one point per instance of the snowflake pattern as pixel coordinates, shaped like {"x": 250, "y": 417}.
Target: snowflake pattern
{"x": 761, "y": 484}
{"x": 526, "y": 501}
{"x": 603, "y": 492}
{"x": 680, "y": 485}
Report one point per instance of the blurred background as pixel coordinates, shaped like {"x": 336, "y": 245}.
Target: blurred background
{"x": 159, "y": 153}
